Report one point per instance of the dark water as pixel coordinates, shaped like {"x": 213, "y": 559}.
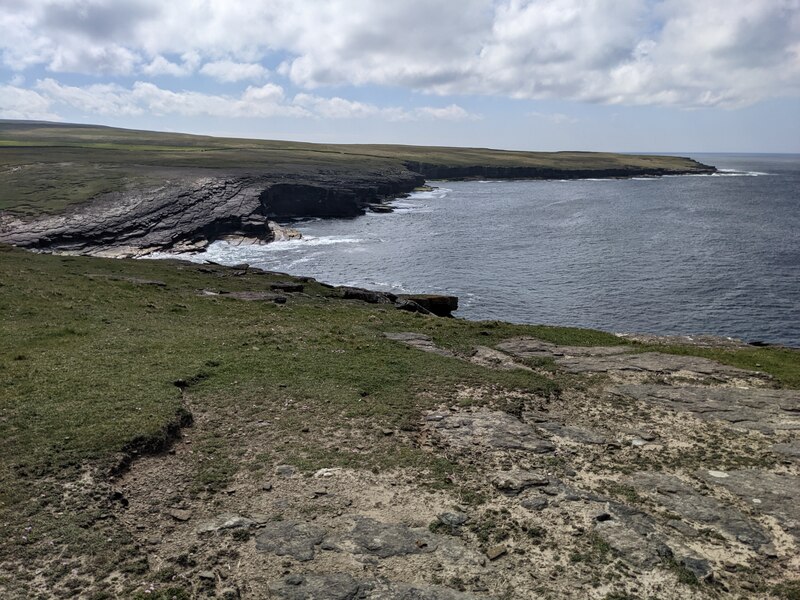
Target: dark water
{"x": 697, "y": 254}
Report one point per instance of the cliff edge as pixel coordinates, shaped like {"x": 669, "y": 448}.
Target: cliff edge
{"x": 99, "y": 190}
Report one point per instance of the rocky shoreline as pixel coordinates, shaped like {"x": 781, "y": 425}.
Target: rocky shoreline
{"x": 189, "y": 211}
{"x": 190, "y": 208}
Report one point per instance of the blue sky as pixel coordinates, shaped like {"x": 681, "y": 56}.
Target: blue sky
{"x": 617, "y": 75}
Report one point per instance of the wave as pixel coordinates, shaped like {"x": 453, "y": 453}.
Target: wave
{"x": 306, "y": 242}
{"x": 724, "y": 173}
{"x": 435, "y": 193}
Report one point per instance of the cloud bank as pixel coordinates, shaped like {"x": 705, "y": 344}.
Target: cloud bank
{"x": 681, "y": 53}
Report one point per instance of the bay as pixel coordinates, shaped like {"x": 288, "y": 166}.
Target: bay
{"x": 713, "y": 254}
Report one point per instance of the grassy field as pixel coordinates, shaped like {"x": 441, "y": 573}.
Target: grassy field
{"x": 47, "y": 167}
{"x": 96, "y": 354}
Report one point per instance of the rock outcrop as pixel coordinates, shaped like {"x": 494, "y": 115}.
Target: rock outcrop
{"x": 186, "y": 212}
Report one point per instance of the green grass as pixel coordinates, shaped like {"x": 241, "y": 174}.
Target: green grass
{"x": 90, "y": 357}
{"x": 48, "y": 167}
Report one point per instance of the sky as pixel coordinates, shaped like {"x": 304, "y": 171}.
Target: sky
{"x": 615, "y": 75}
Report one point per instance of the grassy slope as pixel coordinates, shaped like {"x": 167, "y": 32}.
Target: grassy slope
{"x": 89, "y": 354}
{"x": 47, "y": 167}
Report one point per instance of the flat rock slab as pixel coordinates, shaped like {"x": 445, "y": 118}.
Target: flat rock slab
{"x": 604, "y": 359}
{"x": 531, "y": 348}
{"x": 489, "y": 430}
{"x": 681, "y": 498}
{"x": 574, "y": 433}
{"x": 420, "y": 341}
{"x": 767, "y": 493}
{"x": 371, "y": 537}
{"x": 340, "y": 586}
{"x": 656, "y": 363}
{"x": 288, "y": 538}
{"x": 494, "y": 359}
{"x": 788, "y": 449}
{"x": 758, "y": 409}
{"x": 698, "y": 341}
{"x": 517, "y": 480}
{"x": 225, "y": 521}
{"x": 634, "y": 535}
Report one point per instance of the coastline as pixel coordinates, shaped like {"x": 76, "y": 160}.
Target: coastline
{"x": 131, "y": 202}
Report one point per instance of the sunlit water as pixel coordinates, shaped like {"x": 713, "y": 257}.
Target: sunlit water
{"x": 694, "y": 254}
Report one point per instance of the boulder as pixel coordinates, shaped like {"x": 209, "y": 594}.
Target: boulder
{"x": 439, "y": 304}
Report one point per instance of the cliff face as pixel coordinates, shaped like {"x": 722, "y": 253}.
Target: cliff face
{"x": 434, "y": 171}
{"x": 189, "y": 212}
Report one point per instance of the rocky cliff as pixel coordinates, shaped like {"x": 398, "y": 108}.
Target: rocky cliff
{"x": 189, "y": 211}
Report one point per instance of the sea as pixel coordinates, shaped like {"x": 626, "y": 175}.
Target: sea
{"x": 705, "y": 254}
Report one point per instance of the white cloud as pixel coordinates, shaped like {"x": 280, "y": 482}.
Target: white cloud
{"x": 145, "y": 97}
{"x": 452, "y": 112}
{"x": 664, "y": 52}
{"x": 162, "y": 66}
{"x": 228, "y": 71}
{"x": 341, "y": 108}
{"x": 92, "y": 60}
{"x": 101, "y": 99}
{"x": 20, "y": 103}
{"x": 268, "y": 100}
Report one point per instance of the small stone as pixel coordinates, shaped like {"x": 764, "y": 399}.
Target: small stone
{"x": 496, "y": 552}
{"x": 180, "y": 514}
{"x": 326, "y": 472}
{"x": 285, "y": 470}
{"x": 260, "y": 518}
{"x": 602, "y": 516}
{"x": 452, "y": 519}
{"x": 206, "y": 575}
{"x": 719, "y": 474}
{"x": 514, "y": 482}
{"x": 534, "y": 503}
{"x": 699, "y": 567}
{"x": 387, "y": 432}
{"x": 225, "y": 521}
{"x": 267, "y": 487}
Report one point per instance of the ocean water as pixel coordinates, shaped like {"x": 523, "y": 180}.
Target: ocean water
{"x": 713, "y": 254}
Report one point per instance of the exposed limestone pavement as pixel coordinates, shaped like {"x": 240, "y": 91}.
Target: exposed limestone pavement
{"x": 659, "y": 476}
